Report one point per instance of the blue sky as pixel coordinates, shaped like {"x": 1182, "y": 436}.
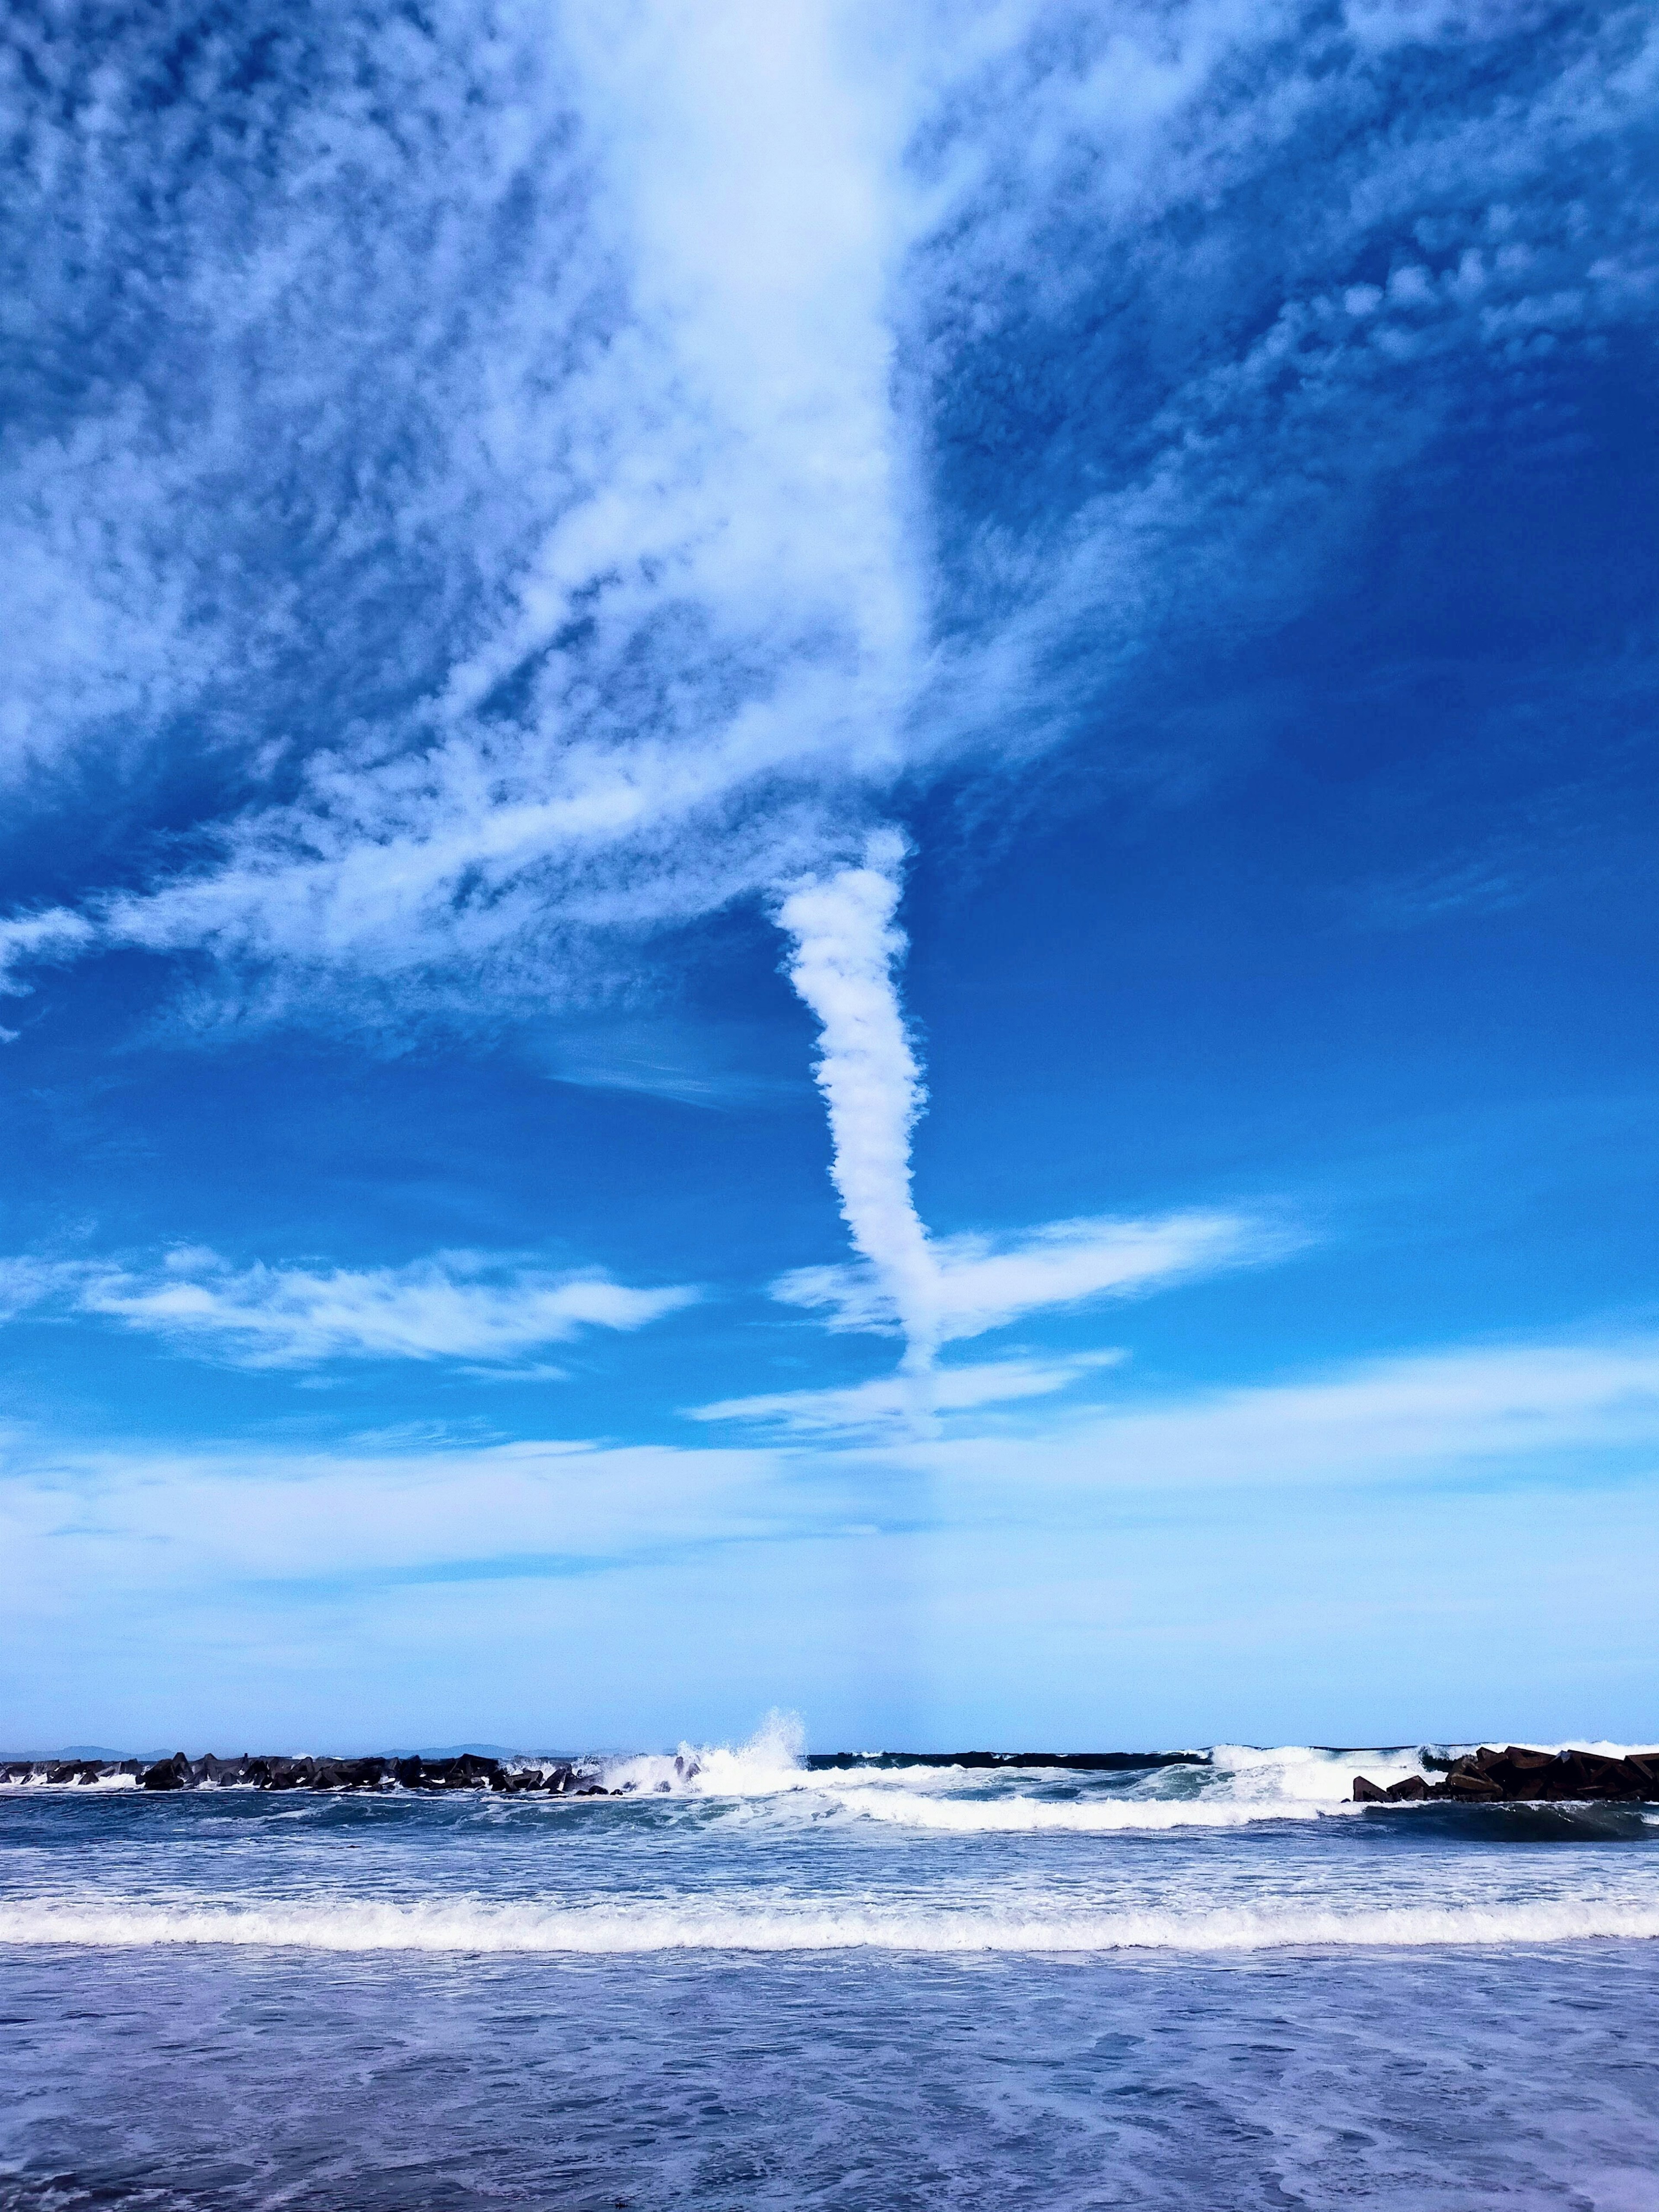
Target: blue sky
{"x": 828, "y": 860}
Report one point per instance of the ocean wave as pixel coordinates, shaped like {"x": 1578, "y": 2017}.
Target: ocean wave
{"x": 93, "y": 1782}
{"x": 1022, "y": 1815}
{"x": 603, "y": 1930}
{"x": 772, "y": 1760}
{"x": 1272, "y": 1782}
{"x": 1239, "y": 1785}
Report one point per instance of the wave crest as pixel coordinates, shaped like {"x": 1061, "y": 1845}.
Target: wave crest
{"x": 590, "y": 1930}
{"x": 773, "y": 1759}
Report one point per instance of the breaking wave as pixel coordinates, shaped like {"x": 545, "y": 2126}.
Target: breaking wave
{"x": 1237, "y": 1785}
{"x": 1228, "y": 1787}
{"x": 773, "y": 1759}
{"x": 602, "y": 1930}
{"x": 1028, "y": 1815}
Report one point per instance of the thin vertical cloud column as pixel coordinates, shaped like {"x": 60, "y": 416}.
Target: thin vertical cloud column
{"x": 845, "y": 948}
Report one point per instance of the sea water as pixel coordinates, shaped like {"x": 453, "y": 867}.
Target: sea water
{"x": 743, "y": 1981}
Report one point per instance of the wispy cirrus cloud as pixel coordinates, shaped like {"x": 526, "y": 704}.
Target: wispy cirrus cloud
{"x": 888, "y": 1405}
{"x": 454, "y": 1306}
{"x": 1467, "y": 1521}
{"x": 580, "y": 502}
{"x": 845, "y": 948}
{"x": 537, "y": 482}
{"x": 981, "y": 1283}
{"x": 597, "y": 515}
{"x": 1279, "y": 250}
{"x": 27, "y": 1283}
{"x": 1427, "y": 1417}
{"x": 1568, "y": 1413}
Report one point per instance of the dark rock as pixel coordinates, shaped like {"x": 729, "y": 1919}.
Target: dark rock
{"x": 289, "y": 1774}
{"x": 1403, "y": 1792}
{"x": 220, "y": 1773}
{"x": 1476, "y": 1786}
{"x": 469, "y": 1771}
{"x": 1587, "y": 1774}
{"x": 1529, "y": 1762}
{"x": 1367, "y": 1793}
{"x": 167, "y": 1773}
{"x": 1518, "y": 1776}
{"x": 350, "y": 1773}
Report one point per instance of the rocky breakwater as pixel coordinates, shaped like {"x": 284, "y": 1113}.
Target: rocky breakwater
{"x": 1517, "y": 1776}
{"x": 271, "y": 1770}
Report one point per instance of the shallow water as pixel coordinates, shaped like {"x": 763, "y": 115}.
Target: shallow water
{"x": 1204, "y": 1988}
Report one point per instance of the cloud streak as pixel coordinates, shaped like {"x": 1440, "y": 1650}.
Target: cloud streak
{"x": 565, "y": 510}
{"x": 622, "y": 319}
{"x": 887, "y": 1404}
{"x": 454, "y": 1306}
{"x": 233, "y": 1591}
{"x": 540, "y": 484}
{"x": 981, "y": 1283}
{"x": 845, "y": 946}
{"x": 1479, "y": 1411}
{"x": 1574, "y": 1414}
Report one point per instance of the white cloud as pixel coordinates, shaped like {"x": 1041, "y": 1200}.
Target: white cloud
{"x": 981, "y": 1283}
{"x": 454, "y": 1306}
{"x": 890, "y": 1404}
{"x": 356, "y": 1599}
{"x": 934, "y": 1291}
{"x": 1576, "y": 1408}
{"x": 27, "y": 1283}
{"x": 1423, "y": 1542}
{"x": 160, "y": 1517}
{"x": 632, "y": 610}
{"x": 1209, "y": 188}
{"x": 536, "y": 504}
{"x": 845, "y": 948}
{"x": 546, "y": 472}
{"x": 1568, "y": 1414}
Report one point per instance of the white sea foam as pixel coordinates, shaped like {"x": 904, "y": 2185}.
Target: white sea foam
{"x": 1241, "y": 1786}
{"x": 95, "y": 1782}
{"x": 606, "y": 1930}
{"x": 772, "y": 1761}
{"x": 1022, "y": 1815}
{"x": 1241, "y": 1783}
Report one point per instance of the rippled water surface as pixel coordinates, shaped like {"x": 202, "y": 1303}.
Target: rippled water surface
{"x": 1204, "y": 1988}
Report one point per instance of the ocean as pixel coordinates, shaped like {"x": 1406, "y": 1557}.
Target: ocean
{"x": 745, "y": 1982}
